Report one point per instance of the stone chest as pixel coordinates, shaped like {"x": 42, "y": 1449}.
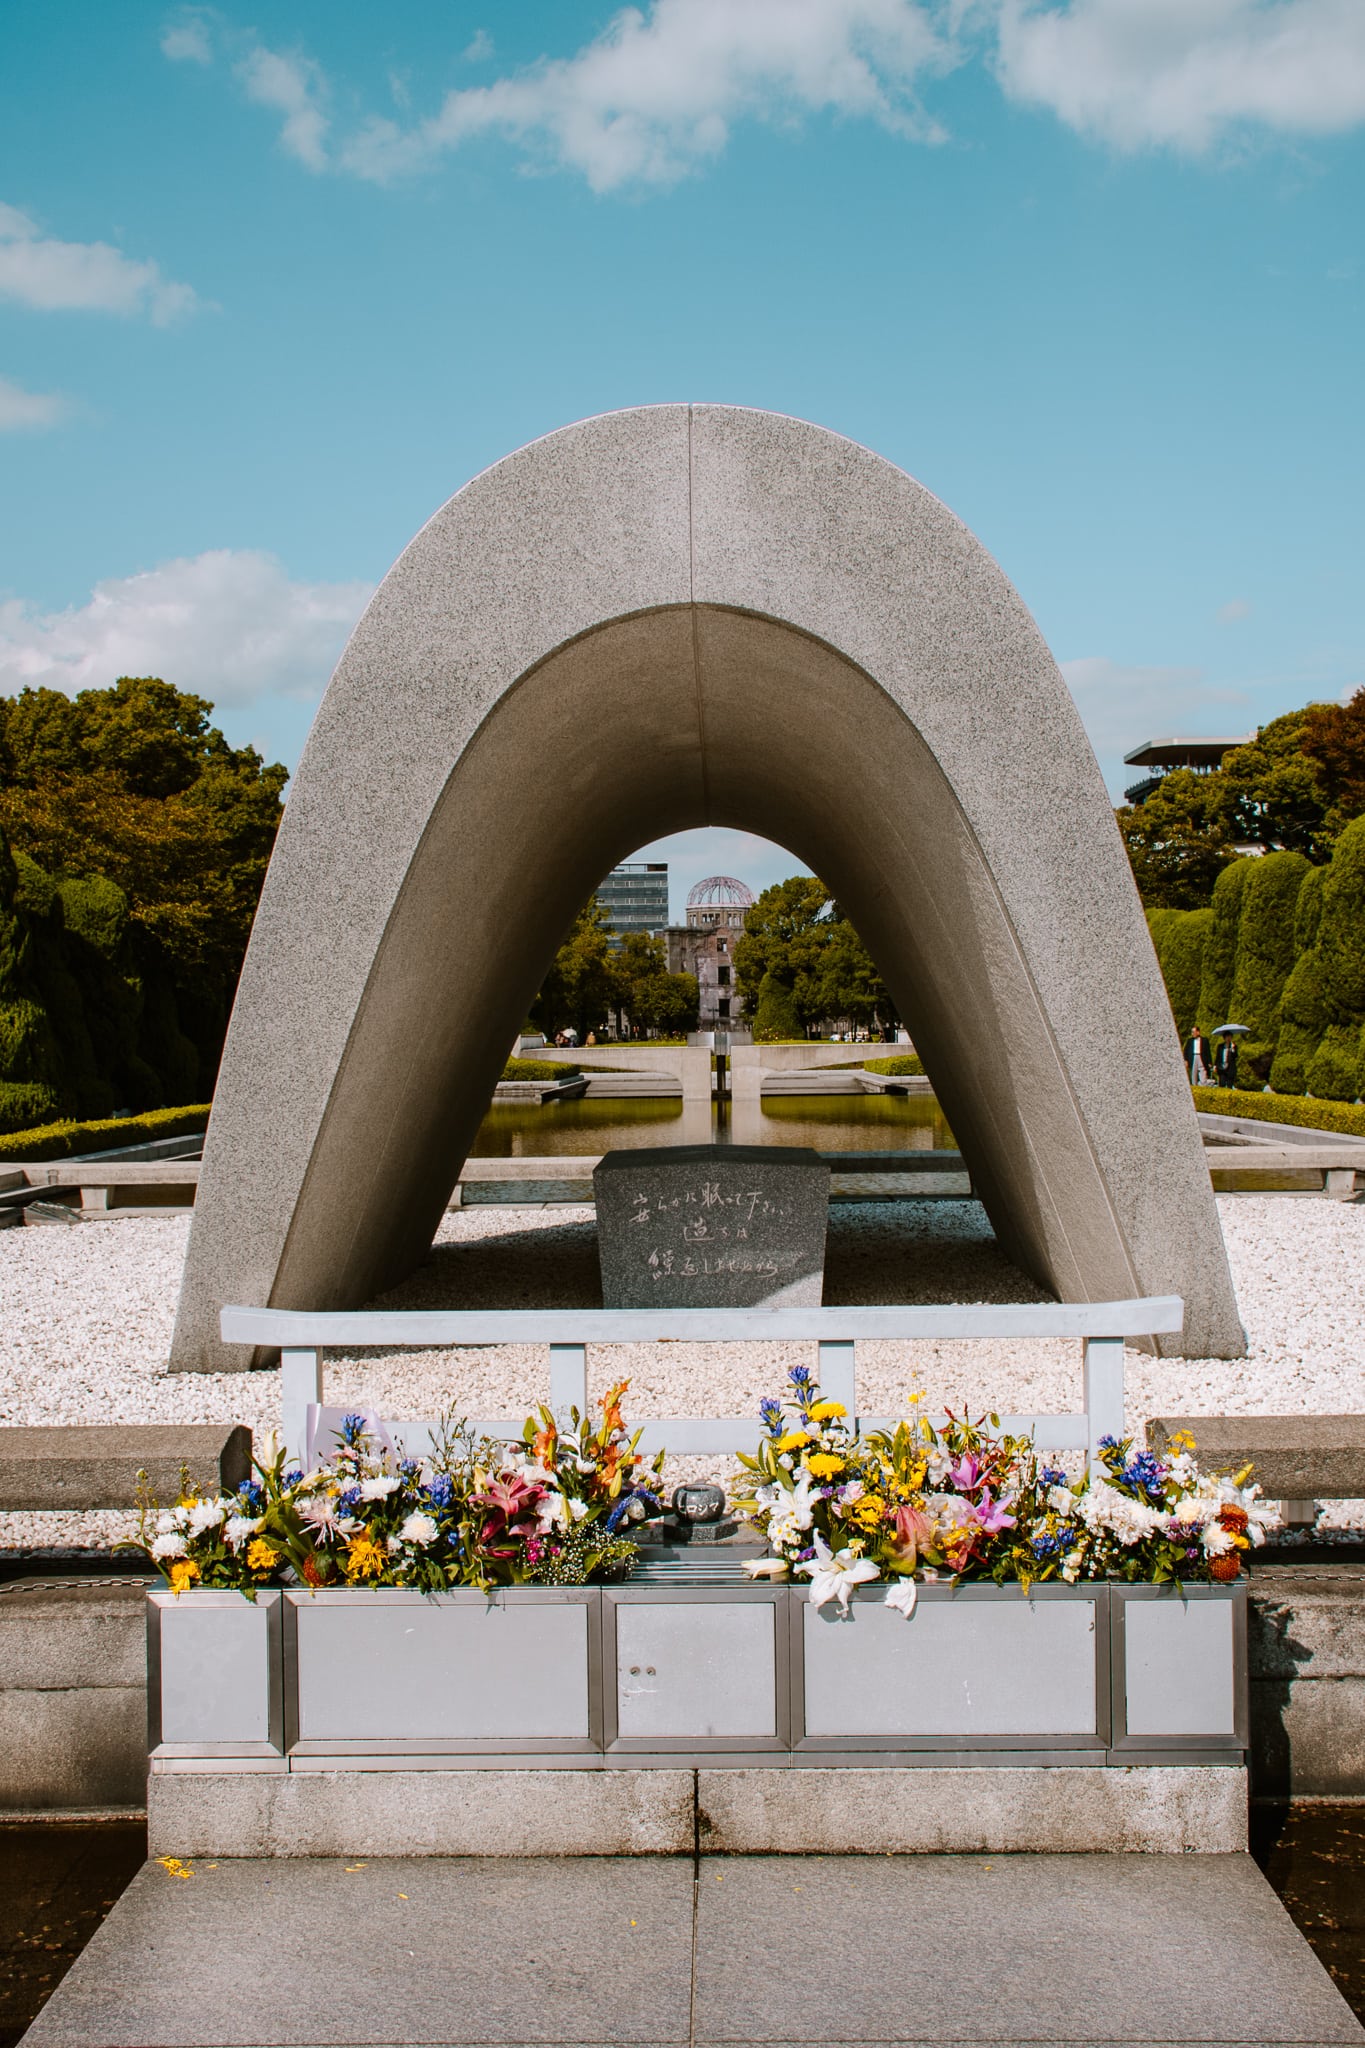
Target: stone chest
{"x": 711, "y": 1226}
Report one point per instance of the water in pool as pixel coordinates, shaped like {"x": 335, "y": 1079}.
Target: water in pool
{"x": 827, "y": 1123}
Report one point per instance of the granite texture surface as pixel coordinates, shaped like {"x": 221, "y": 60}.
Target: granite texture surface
{"x": 1297, "y": 1457}
{"x": 75, "y": 1465}
{"x": 664, "y": 618}
{"x": 711, "y": 1226}
{"x": 771, "y": 1950}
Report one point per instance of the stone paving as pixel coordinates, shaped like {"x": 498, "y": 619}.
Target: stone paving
{"x": 787, "y": 1952}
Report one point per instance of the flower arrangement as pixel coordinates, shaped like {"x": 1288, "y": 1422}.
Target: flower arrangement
{"x": 972, "y": 1503}
{"x": 548, "y": 1510}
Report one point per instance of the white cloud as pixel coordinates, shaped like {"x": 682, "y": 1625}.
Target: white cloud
{"x": 1236, "y": 608}
{"x": 55, "y": 276}
{"x": 652, "y": 97}
{"x": 1185, "y": 73}
{"x": 294, "y": 87}
{"x": 20, "y": 409}
{"x": 229, "y": 624}
{"x": 187, "y": 41}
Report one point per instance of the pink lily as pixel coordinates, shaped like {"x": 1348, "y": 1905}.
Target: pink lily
{"x": 993, "y": 1515}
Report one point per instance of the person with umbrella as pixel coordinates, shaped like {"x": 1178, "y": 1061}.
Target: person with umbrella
{"x": 1225, "y": 1058}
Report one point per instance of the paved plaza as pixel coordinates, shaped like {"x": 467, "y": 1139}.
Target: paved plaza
{"x": 782, "y": 1951}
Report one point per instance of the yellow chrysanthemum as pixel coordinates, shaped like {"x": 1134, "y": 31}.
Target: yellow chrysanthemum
{"x": 869, "y": 1510}
{"x": 823, "y": 1410}
{"x": 261, "y": 1556}
{"x": 825, "y": 1465}
{"x": 365, "y": 1559}
{"x": 793, "y": 1440}
{"x": 183, "y": 1574}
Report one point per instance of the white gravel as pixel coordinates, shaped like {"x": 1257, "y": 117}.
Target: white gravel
{"x": 86, "y": 1316}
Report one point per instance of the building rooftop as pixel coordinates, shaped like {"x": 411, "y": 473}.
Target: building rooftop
{"x": 1184, "y": 753}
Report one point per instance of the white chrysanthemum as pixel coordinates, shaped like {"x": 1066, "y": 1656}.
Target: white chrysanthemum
{"x": 206, "y": 1514}
{"x": 378, "y": 1488}
{"x": 1216, "y": 1540}
{"x": 393, "y": 1545}
{"x": 1062, "y": 1501}
{"x": 165, "y": 1522}
{"x": 419, "y": 1529}
{"x": 239, "y": 1529}
{"x": 171, "y": 1544}
{"x": 1102, "y": 1506}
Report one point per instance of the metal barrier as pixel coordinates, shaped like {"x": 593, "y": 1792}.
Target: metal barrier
{"x": 1102, "y": 1327}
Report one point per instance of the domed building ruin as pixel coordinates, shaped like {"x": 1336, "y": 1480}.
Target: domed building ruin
{"x": 705, "y": 946}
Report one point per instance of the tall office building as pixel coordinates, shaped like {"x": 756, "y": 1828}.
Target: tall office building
{"x": 635, "y": 896}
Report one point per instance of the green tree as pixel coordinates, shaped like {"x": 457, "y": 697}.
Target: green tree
{"x": 1180, "y": 840}
{"x": 796, "y": 932}
{"x": 1341, "y": 930}
{"x": 1277, "y": 799}
{"x": 674, "y": 1005}
{"x": 776, "y": 1016}
{"x": 1180, "y": 937}
{"x": 582, "y": 984}
{"x": 1265, "y": 958}
{"x": 1334, "y": 739}
{"x": 1220, "y": 946}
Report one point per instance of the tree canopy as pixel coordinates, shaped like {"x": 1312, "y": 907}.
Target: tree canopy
{"x": 1294, "y": 788}
{"x": 133, "y": 844}
{"x": 799, "y": 947}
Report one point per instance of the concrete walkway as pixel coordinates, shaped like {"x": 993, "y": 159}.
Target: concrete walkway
{"x": 788, "y": 1952}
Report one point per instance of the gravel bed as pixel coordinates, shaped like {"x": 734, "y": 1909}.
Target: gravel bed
{"x": 86, "y": 1316}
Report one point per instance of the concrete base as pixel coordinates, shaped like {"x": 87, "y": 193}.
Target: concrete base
{"x": 714, "y": 1950}
{"x": 939, "y": 1810}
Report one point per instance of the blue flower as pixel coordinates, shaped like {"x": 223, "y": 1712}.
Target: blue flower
{"x": 252, "y": 1496}
{"x": 800, "y": 1376}
{"x": 352, "y": 1428}
{"x": 618, "y": 1514}
{"x": 770, "y": 1414}
{"x": 293, "y": 1475}
{"x": 1047, "y": 1546}
{"x": 410, "y": 1467}
{"x": 1053, "y": 1475}
{"x": 441, "y": 1492}
{"x": 1145, "y": 1474}
{"x": 1109, "y": 1443}
{"x": 350, "y": 1499}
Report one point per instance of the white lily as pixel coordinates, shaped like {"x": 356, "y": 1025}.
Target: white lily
{"x": 766, "y": 1567}
{"x": 903, "y": 1596}
{"x": 834, "y": 1574}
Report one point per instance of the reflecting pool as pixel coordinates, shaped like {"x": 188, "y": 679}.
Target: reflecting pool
{"x": 827, "y": 1123}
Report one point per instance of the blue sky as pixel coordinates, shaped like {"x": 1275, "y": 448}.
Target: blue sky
{"x": 272, "y": 287}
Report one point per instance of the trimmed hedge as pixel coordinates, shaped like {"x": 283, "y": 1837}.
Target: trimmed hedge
{"x": 60, "y": 1140}
{"x": 1220, "y": 947}
{"x": 1306, "y": 1112}
{"x": 1265, "y": 958}
{"x": 540, "y": 1070}
{"x": 902, "y": 1063}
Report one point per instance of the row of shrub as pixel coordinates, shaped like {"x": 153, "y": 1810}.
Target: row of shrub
{"x": 103, "y": 1134}
{"x": 1281, "y": 949}
{"x": 902, "y": 1063}
{"x": 1304, "y": 1112}
{"x": 540, "y": 1070}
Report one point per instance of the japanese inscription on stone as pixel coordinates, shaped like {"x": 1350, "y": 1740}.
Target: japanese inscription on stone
{"x": 711, "y": 1226}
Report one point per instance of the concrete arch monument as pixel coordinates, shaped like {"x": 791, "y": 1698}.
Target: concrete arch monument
{"x": 652, "y": 620}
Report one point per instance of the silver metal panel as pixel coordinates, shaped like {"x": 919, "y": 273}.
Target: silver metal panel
{"x": 959, "y": 1667}
{"x": 397, "y": 1668}
{"x": 696, "y": 1670}
{"x": 1179, "y": 1668}
{"x": 214, "y": 1671}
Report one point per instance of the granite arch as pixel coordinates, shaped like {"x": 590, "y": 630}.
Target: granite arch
{"x": 655, "y": 619}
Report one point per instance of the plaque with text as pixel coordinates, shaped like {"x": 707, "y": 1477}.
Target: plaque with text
{"x": 711, "y": 1226}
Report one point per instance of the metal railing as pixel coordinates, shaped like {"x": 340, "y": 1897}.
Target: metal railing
{"x": 1102, "y": 1326}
